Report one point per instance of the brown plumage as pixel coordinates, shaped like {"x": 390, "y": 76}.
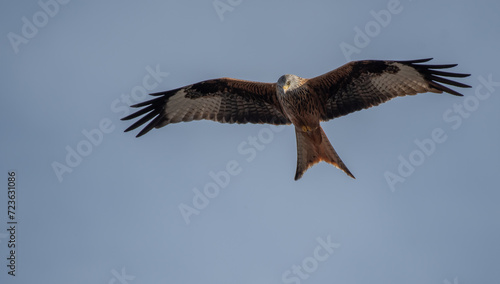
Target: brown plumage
{"x": 303, "y": 102}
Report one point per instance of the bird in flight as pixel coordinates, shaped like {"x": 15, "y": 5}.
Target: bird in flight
{"x": 294, "y": 100}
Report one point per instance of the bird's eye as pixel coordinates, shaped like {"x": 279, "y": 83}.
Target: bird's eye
{"x": 288, "y": 83}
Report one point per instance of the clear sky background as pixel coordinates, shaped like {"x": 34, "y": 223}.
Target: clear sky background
{"x": 111, "y": 215}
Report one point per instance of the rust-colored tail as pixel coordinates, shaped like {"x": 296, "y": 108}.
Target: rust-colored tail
{"x": 313, "y": 147}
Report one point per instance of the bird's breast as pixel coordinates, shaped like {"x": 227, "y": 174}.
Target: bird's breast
{"x": 301, "y": 108}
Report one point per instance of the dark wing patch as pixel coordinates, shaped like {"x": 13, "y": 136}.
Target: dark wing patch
{"x": 223, "y": 100}
{"x": 363, "y": 84}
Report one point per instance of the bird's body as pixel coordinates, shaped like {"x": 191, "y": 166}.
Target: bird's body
{"x": 299, "y": 106}
{"x": 299, "y": 101}
{"x": 304, "y": 110}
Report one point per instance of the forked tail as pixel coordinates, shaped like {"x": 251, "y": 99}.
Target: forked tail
{"x": 313, "y": 147}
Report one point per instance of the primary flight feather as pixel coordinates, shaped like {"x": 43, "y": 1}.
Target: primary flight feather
{"x": 302, "y": 102}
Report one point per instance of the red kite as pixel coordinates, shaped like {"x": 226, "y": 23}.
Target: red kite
{"x": 303, "y": 102}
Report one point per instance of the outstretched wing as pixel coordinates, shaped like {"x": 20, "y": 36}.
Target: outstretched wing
{"x": 362, "y": 84}
{"x": 224, "y": 100}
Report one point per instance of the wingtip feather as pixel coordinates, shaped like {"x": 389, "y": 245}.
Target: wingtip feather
{"x": 416, "y": 60}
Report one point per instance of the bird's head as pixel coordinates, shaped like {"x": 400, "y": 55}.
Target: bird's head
{"x": 288, "y": 83}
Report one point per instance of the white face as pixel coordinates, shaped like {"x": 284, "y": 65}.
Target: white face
{"x": 286, "y": 82}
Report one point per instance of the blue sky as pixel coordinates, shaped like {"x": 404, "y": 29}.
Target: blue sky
{"x": 96, "y": 205}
